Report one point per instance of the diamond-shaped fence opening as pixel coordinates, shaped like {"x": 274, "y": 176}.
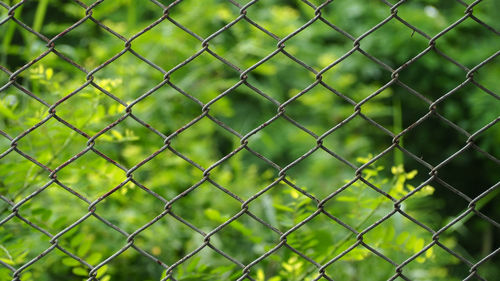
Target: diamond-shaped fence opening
{"x": 249, "y": 140}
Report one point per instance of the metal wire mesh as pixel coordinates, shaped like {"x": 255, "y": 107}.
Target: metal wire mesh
{"x": 205, "y": 114}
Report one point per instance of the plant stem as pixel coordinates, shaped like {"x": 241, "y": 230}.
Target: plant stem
{"x": 41, "y": 9}
{"x": 131, "y": 14}
{"x": 7, "y": 39}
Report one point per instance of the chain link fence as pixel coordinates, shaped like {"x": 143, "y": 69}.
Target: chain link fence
{"x": 14, "y": 203}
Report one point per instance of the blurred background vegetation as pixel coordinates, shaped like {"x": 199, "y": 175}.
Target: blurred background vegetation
{"x": 284, "y": 205}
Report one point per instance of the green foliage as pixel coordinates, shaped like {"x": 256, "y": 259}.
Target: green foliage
{"x": 287, "y": 203}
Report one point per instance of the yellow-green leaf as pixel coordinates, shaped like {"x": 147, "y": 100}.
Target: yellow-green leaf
{"x": 49, "y": 73}
{"x": 80, "y": 271}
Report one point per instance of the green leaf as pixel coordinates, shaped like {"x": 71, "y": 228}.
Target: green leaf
{"x": 118, "y": 136}
{"x": 70, "y": 262}
{"x": 402, "y": 237}
{"x": 213, "y": 214}
{"x": 347, "y": 199}
{"x": 283, "y": 208}
{"x": 22, "y": 257}
{"x": 260, "y": 275}
{"x": 6, "y": 112}
{"x": 49, "y": 73}
{"x": 80, "y": 271}
{"x": 94, "y": 258}
{"x": 101, "y": 271}
{"x": 426, "y": 191}
{"x": 7, "y": 261}
{"x": 357, "y": 254}
{"x": 84, "y": 248}
{"x": 411, "y": 174}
